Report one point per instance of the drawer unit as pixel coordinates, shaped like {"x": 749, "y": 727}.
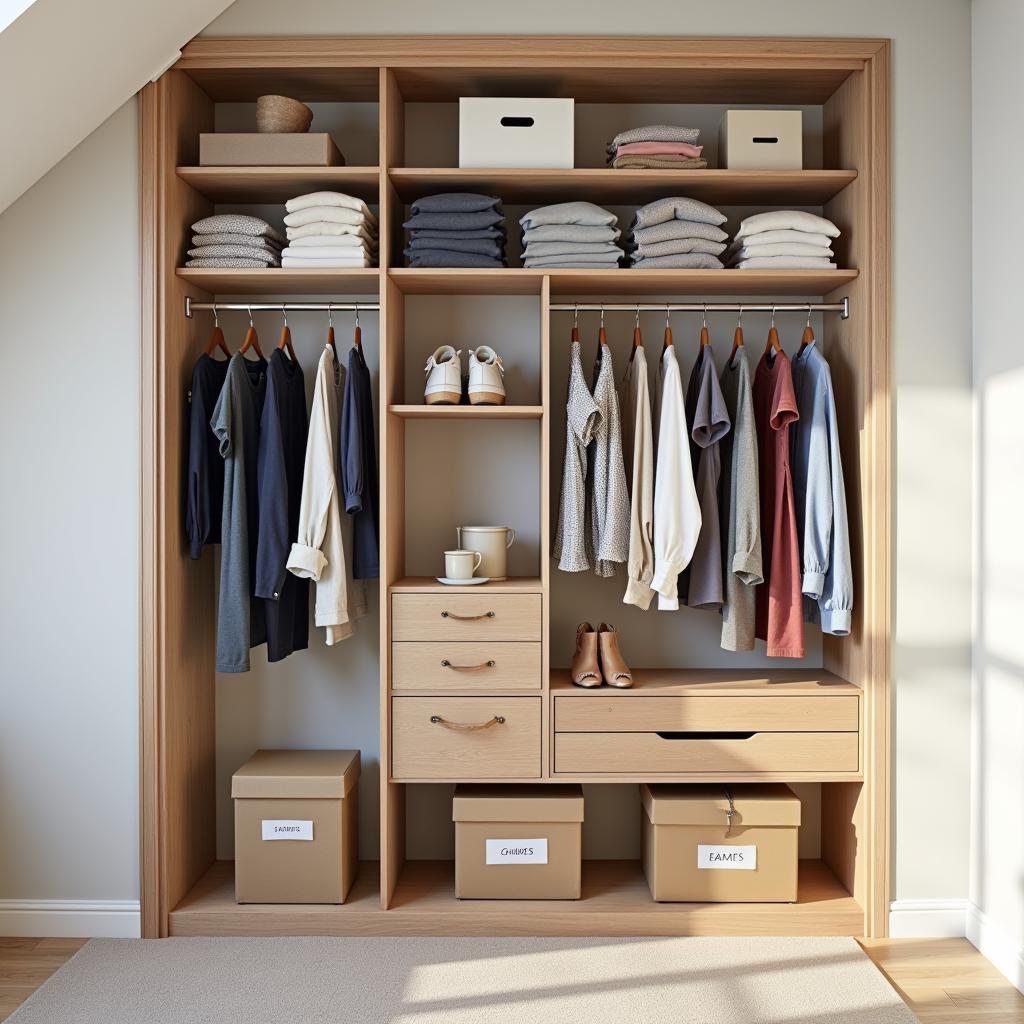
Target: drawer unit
{"x": 465, "y": 737}
{"x": 466, "y": 665}
{"x": 485, "y": 616}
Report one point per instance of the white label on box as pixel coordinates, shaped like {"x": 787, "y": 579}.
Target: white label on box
{"x": 726, "y": 858}
{"x": 517, "y": 851}
{"x": 287, "y": 829}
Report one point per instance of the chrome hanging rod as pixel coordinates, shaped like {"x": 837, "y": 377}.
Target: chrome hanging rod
{"x": 842, "y": 307}
{"x": 280, "y": 307}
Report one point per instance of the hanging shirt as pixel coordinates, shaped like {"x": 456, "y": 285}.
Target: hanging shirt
{"x": 779, "y": 621}
{"x": 822, "y": 525}
{"x": 204, "y": 503}
{"x": 677, "y": 518}
{"x": 740, "y": 509}
{"x": 359, "y": 467}
{"x": 321, "y": 552}
{"x": 236, "y": 420}
{"x": 638, "y": 455}
{"x": 282, "y": 454}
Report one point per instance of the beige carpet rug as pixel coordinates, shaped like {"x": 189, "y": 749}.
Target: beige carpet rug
{"x": 467, "y": 981}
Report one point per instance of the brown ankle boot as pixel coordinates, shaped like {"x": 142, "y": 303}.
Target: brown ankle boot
{"x": 615, "y": 670}
{"x": 585, "y": 669}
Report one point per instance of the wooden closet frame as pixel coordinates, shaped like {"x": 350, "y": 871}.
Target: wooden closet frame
{"x": 849, "y": 77}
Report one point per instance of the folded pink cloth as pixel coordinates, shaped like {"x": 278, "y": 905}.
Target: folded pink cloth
{"x": 663, "y": 148}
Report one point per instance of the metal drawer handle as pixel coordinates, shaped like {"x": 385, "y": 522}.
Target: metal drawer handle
{"x": 467, "y": 618}
{"x": 445, "y": 663}
{"x": 438, "y": 720}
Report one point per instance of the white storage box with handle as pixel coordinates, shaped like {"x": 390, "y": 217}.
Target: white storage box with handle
{"x": 761, "y": 140}
{"x": 500, "y": 132}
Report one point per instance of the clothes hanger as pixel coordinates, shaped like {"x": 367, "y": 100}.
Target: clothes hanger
{"x": 285, "y": 341}
{"x": 252, "y": 340}
{"x": 574, "y": 336}
{"x": 773, "y": 344}
{"x": 808, "y": 338}
{"x": 667, "y": 343}
{"x": 638, "y": 341}
{"x": 217, "y": 337}
{"x": 357, "y": 337}
{"x": 737, "y": 338}
{"x": 705, "y": 338}
{"x": 602, "y": 337}
{"x": 330, "y": 331}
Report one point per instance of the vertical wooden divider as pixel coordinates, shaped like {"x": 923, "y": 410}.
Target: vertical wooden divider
{"x": 547, "y": 710}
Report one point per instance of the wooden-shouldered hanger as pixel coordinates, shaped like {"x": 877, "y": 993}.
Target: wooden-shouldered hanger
{"x": 574, "y": 334}
{"x": 330, "y": 332}
{"x": 285, "y": 341}
{"x": 252, "y": 340}
{"x": 638, "y": 341}
{"x": 705, "y": 338}
{"x": 737, "y": 338}
{"x": 357, "y": 337}
{"x": 602, "y": 337}
{"x": 808, "y": 337}
{"x": 773, "y": 344}
{"x": 667, "y": 343}
{"x": 217, "y": 337}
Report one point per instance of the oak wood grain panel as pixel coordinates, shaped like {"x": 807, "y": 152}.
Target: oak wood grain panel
{"x": 423, "y": 616}
{"x": 480, "y": 665}
{"x": 276, "y": 184}
{"x": 422, "y": 749}
{"x": 269, "y": 281}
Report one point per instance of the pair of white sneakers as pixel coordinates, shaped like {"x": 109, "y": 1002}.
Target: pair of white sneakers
{"x": 444, "y": 377}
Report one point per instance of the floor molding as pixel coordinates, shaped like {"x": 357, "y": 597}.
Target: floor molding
{"x": 928, "y": 919}
{"x": 995, "y": 945}
{"x": 94, "y": 919}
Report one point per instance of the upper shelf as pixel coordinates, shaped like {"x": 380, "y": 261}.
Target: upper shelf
{"x": 284, "y": 281}
{"x": 276, "y": 184}
{"x": 613, "y": 187}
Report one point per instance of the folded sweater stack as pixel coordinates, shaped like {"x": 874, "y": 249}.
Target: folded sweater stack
{"x": 235, "y": 241}
{"x": 662, "y": 146}
{"x": 329, "y": 229}
{"x": 456, "y": 229}
{"x": 784, "y": 240}
{"x": 677, "y": 233}
{"x": 578, "y": 235}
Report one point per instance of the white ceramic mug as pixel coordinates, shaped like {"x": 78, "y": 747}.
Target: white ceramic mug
{"x": 462, "y": 565}
{"x": 492, "y": 542}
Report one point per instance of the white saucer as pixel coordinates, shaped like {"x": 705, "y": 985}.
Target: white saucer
{"x": 462, "y": 583}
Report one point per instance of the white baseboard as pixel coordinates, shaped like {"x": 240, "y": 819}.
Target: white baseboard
{"x": 928, "y": 919}
{"x": 80, "y": 919}
{"x": 995, "y": 945}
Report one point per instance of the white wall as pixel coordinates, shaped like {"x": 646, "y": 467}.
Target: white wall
{"x": 996, "y": 916}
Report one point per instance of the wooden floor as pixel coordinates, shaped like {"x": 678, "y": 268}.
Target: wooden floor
{"x": 945, "y": 981}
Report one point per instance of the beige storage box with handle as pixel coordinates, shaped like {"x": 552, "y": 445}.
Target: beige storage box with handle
{"x": 296, "y": 826}
{"x": 518, "y": 842}
{"x": 695, "y": 851}
{"x": 271, "y": 149}
{"x": 761, "y": 140}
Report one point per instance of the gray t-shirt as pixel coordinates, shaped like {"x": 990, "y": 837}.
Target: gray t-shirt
{"x": 235, "y": 422}
{"x": 740, "y": 509}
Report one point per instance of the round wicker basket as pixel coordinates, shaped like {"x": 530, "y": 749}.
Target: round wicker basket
{"x": 282, "y": 114}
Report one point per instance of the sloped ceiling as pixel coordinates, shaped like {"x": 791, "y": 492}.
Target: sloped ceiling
{"x": 67, "y": 65}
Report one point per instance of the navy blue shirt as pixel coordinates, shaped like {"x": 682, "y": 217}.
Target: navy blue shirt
{"x": 205, "y": 498}
{"x": 359, "y": 466}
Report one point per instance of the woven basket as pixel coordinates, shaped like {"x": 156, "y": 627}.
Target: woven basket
{"x": 282, "y": 114}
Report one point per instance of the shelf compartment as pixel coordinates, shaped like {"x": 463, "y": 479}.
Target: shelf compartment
{"x": 276, "y": 184}
{"x": 284, "y": 281}
{"x": 609, "y": 186}
{"x": 666, "y": 682}
{"x": 615, "y": 901}
{"x": 467, "y": 412}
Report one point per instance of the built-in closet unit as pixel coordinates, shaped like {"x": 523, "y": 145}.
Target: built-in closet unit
{"x": 824, "y": 722}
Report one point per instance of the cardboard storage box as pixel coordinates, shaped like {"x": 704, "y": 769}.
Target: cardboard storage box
{"x": 690, "y": 854}
{"x": 518, "y": 842}
{"x": 761, "y": 140}
{"x": 515, "y": 133}
{"x": 268, "y": 149}
{"x": 296, "y": 834}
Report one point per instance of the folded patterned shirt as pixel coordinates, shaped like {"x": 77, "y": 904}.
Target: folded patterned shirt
{"x": 235, "y": 224}
{"x": 251, "y": 252}
{"x": 456, "y": 202}
{"x": 233, "y": 238}
{"x": 230, "y": 263}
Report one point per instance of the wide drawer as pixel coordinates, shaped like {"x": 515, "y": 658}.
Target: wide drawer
{"x": 465, "y": 737}
{"x": 466, "y": 616}
{"x": 466, "y": 665}
{"x": 696, "y": 714}
{"x": 648, "y": 753}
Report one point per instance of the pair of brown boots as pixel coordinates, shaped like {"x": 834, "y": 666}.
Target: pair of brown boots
{"x": 598, "y": 658}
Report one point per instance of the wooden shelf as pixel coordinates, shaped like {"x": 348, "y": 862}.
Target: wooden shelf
{"x": 276, "y": 184}
{"x": 284, "y": 281}
{"x": 467, "y": 412}
{"x": 429, "y": 585}
{"x": 664, "y": 682}
{"x": 611, "y": 187}
{"x": 615, "y": 901}
{"x": 467, "y": 281}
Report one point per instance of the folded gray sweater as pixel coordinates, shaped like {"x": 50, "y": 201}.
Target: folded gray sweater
{"x": 676, "y": 208}
{"x": 571, "y": 233}
{"x": 443, "y": 258}
{"x": 654, "y": 133}
{"x": 440, "y": 234}
{"x": 569, "y": 213}
{"x": 580, "y": 264}
{"x": 481, "y": 246}
{"x": 600, "y": 259}
{"x": 571, "y": 249}
{"x": 679, "y": 229}
{"x": 456, "y": 202}
{"x": 682, "y": 261}
{"x": 450, "y": 221}
{"x": 678, "y": 246}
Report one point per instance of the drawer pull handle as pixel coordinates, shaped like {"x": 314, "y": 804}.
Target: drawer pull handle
{"x": 705, "y": 735}
{"x": 438, "y": 720}
{"x": 467, "y": 618}
{"x": 445, "y": 663}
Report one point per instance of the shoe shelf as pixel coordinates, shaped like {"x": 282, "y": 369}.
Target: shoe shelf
{"x": 467, "y": 412}
{"x": 276, "y": 184}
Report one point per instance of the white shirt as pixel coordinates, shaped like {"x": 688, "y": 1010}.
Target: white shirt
{"x": 677, "y": 518}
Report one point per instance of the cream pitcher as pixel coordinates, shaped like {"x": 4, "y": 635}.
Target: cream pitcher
{"x": 492, "y": 542}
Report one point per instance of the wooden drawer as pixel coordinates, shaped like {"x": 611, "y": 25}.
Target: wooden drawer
{"x": 466, "y": 665}
{"x": 636, "y": 713}
{"x": 427, "y": 743}
{"x": 648, "y": 753}
{"x": 482, "y": 616}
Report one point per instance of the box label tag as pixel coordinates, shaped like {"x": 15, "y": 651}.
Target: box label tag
{"x": 287, "y": 829}
{"x": 517, "y": 851}
{"x": 726, "y": 858}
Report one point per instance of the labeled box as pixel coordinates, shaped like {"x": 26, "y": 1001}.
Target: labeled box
{"x": 268, "y": 149}
{"x": 761, "y": 140}
{"x": 296, "y": 826}
{"x": 516, "y": 132}
{"x": 518, "y": 842}
{"x": 695, "y": 851}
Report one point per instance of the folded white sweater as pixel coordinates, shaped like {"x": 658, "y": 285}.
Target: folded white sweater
{"x": 324, "y": 264}
{"x": 785, "y": 263}
{"x": 326, "y": 215}
{"x": 782, "y": 249}
{"x": 339, "y": 199}
{"x": 322, "y": 228}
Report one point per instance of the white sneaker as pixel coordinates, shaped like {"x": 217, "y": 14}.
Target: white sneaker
{"x": 486, "y": 372}
{"x": 444, "y": 377}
